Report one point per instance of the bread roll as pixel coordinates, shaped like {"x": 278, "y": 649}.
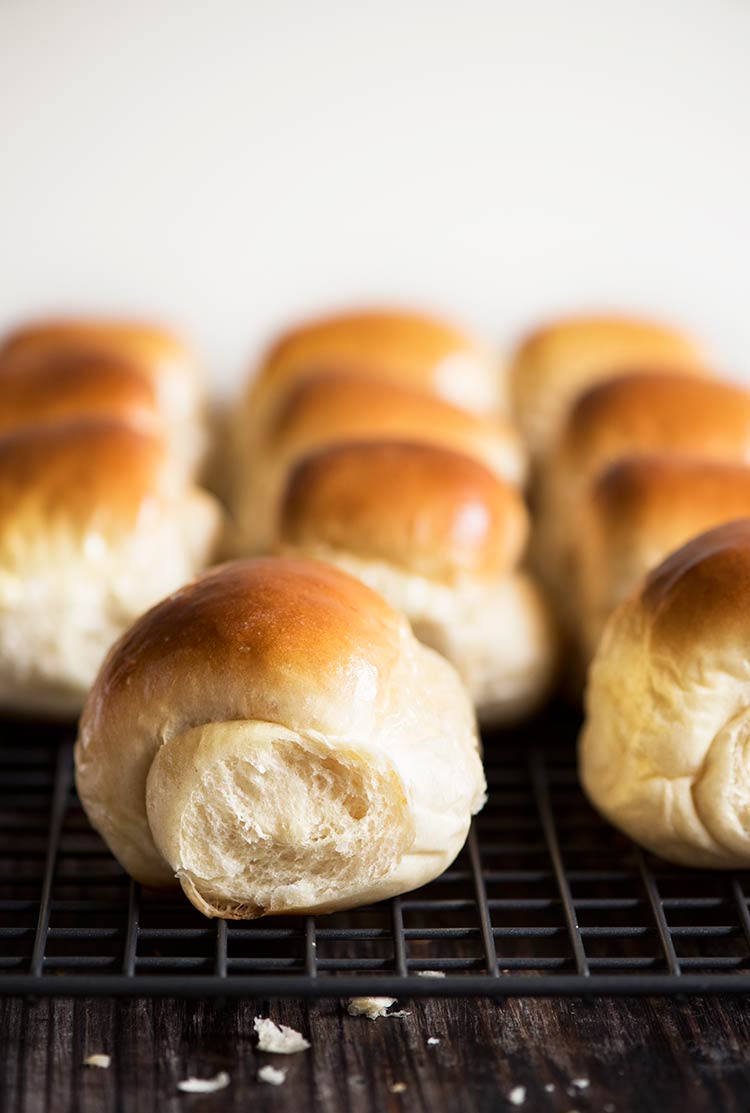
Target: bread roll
{"x": 409, "y": 349}
{"x": 664, "y": 749}
{"x": 274, "y": 737}
{"x": 638, "y": 414}
{"x": 440, "y": 537}
{"x": 555, "y": 363}
{"x": 94, "y": 527}
{"x": 334, "y": 408}
{"x": 157, "y": 353}
{"x": 636, "y": 513}
{"x": 71, "y": 387}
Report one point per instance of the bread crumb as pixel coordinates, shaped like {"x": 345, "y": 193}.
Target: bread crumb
{"x": 433, "y": 1039}
{"x": 191, "y": 1085}
{"x": 102, "y": 1061}
{"x": 550, "y": 1087}
{"x": 581, "y": 1083}
{"x": 430, "y": 973}
{"x": 271, "y": 1075}
{"x": 277, "y": 1038}
{"x": 517, "y": 1096}
{"x": 373, "y": 1007}
{"x": 397, "y": 1087}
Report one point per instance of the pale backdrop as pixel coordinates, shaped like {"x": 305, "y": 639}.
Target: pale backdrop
{"x": 230, "y": 164}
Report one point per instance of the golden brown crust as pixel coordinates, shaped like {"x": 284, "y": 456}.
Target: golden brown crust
{"x": 75, "y": 386}
{"x": 336, "y": 407}
{"x": 265, "y": 623}
{"x": 407, "y": 348}
{"x": 79, "y": 469}
{"x": 433, "y": 511}
{"x": 700, "y": 595}
{"x": 654, "y": 411}
{"x": 553, "y": 364}
{"x": 146, "y": 345}
{"x": 605, "y": 340}
{"x": 661, "y": 495}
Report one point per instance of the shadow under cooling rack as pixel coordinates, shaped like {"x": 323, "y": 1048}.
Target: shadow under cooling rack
{"x": 544, "y": 900}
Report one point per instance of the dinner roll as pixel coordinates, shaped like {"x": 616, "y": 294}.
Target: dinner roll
{"x": 407, "y": 348}
{"x": 637, "y": 512}
{"x": 159, "y": 354}
{"x": 78, "y": 386}
{"x": 664, "y": 749}
{"x": 332, "y": 408}
{"x": 274, "y": 737}
{"x": 94, "y": 527}
{"x": 631, "y": 415}
{"x": 440, "y": 537}
{"x": 553, "y": 364}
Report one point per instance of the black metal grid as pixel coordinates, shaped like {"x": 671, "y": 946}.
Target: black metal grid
{"x": 544, "y": 900}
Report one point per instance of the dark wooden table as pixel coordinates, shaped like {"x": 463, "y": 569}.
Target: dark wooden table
{"x": 639, "y": 1055}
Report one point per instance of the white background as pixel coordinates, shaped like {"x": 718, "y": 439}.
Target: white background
{"x": 230, "y": 164}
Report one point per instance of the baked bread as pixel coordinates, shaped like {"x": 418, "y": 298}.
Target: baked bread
{"x": 440, "y": 537}
{"x": 95, "y": 526}
{"x": 631, "y": 415}
{"x": 637, "y": 512}
{"x": 407, "y": 348}
{"x": 66, "y": 387}
{"x": 334, "y": 408}
{"x": 556, "y": 362}
{"x": 663, "y": 753}
{"x": 160, "y": 355}
{"x": 275, "y": 738}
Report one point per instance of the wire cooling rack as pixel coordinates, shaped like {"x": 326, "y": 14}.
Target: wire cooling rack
{"x": 544, "y": 900}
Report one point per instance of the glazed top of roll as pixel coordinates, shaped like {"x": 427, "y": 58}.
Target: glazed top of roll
{"x": 282, "y": 639}
{"x": 157, "y": 352}
{"x": 414, "y": 349}
{"x": 662, "y": 496}
{"x": 700, "y": 596}
{"x": 89, "y": 472}
{"x": 428, "y": 509}
{"x": 336, "y": 407}
{"x": 678, "y": 414}
{"x": 76, "y": 386}
{"x": 553, "y": 363}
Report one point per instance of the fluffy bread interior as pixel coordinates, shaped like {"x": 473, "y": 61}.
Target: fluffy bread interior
{"x": 255, "y": 819}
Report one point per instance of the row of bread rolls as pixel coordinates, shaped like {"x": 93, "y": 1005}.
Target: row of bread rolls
{"x": 274, "y": 735}
{"x": 644, "y": 540}
{"x": 346, "y": 449}
{"x": 648, "y": 432}
{"x": 100, "y": 430}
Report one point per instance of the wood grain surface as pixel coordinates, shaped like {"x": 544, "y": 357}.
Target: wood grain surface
{"x": 637, "y": 1055}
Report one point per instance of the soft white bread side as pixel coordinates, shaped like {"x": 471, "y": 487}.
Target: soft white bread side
{"x": 637, "y": 512}
{"x": 440, "y": 537}
{"x": 334, "y": 408}
{"x": 553, "y": 364}
{"x": 275, "y": 738}
{"x": 639, "y": 414}
{"x": 84, "y": 508}
{"x": 664, "y": 749}
{"x": 158, "y": 354}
